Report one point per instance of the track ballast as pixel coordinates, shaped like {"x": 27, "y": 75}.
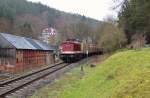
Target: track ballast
{"x": 13, "y": 85}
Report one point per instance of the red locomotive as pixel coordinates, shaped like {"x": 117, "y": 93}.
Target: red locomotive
{"x": 73, "y": 50}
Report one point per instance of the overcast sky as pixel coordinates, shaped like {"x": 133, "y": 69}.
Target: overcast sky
{"x": 97, "y": 9}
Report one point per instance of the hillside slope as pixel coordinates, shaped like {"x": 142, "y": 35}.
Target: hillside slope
{"x": 25, "y": 18}
{"x": 123, "y": 75}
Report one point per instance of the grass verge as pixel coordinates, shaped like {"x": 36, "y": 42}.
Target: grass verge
{"x": 123, "y": 75}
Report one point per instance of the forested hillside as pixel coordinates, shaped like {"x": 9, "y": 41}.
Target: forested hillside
{"x": 25, "y": 18}
{"x": 21, "y": 17}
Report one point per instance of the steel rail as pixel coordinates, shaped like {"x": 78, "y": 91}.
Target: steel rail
{"x": 22, "y": 82}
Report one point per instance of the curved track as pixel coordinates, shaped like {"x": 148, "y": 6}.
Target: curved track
{"x": 13, "y": 85}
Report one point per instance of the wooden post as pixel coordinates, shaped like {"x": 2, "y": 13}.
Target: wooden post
{"x": 82, "y": 69}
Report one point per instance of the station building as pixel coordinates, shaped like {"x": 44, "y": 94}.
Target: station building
{"x": 20, "y": 53}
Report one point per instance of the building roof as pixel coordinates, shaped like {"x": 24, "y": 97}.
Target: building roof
{"x": 24, "y": 43}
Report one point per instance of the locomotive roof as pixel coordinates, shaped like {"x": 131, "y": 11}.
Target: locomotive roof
{"x": 13, "y": 41}
{"x": 77, "y": 40}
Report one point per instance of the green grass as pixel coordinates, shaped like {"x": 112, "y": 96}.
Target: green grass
{"x": 123, "y": 75}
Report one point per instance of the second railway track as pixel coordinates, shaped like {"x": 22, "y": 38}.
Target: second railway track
{"x": 13, "y": 85}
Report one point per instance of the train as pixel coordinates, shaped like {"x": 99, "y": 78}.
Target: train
{"x": 73, "y": 50}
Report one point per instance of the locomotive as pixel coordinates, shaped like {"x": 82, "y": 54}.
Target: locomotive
{"x": 73, "y": 50}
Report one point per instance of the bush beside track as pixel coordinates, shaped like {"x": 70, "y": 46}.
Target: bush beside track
{"x": 123, "y": 75}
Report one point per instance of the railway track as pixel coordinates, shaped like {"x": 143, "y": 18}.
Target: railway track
{"x": 13, "y": 85}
